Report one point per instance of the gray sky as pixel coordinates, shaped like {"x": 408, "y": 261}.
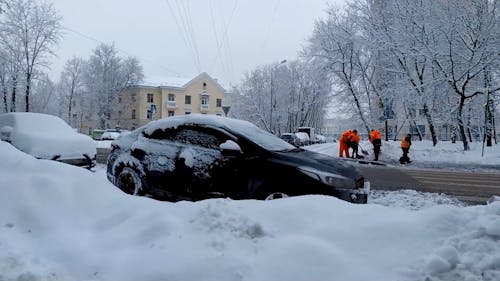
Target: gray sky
{"x": 230, "y": 36}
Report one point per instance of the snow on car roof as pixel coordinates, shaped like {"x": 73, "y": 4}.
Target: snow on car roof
{"x": 36, "y": 123}
{"x": 245, "y": 128}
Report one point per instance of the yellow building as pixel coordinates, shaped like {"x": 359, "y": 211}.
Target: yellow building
{"x": 137, "y": 105}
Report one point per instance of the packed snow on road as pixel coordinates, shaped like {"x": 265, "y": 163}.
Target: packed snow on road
{"x": 60, "y": 222}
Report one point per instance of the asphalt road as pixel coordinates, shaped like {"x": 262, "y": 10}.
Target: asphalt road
{"x": 469, "y": 187}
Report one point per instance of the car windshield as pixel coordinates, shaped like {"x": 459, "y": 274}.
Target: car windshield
{"x": 264, "y": 139}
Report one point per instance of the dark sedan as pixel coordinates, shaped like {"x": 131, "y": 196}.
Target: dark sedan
{"x": 195, "y": 157}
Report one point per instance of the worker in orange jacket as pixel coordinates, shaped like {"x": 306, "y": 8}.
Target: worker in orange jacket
{"x": 352, "y": 142}
{"x": 405, "y": 146}
{"x": 376, "y": 142}
{"x": 343, "y": 143}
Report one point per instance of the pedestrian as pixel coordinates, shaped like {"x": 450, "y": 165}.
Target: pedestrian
{"x": 343, "y": 143}
{"x": 353, "y": 141}
{"x": 376, "y": 142}
{"x": 405, "y": 146}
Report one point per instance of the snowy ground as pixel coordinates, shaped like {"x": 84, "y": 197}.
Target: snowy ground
{"x": 424, "y": 155}
{"x": 59, "y": 222}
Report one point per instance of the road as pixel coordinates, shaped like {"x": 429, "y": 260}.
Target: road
{"x": 470, "y": 187}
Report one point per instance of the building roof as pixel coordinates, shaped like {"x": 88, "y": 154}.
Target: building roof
{"x": 176, "y": 82}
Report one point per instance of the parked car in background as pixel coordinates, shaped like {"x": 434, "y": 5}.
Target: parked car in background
{"x": 303, "y": 137}
{"x": 291, "y": 139}
{"x": 320, "y": 138}
{"x": 194, "y": 157}
{"x": 110, "y": 135}
{"x": 47, "y": 137}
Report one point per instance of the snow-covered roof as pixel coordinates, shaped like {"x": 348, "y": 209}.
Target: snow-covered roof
{"x": 157, "y": 81}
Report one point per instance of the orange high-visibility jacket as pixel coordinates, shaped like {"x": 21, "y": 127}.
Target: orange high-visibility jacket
{"x": 374, "y": 134}
{"x": 353, "y": 137}
{"x": 344, "y": 138}
{"x": 405, "y": 144}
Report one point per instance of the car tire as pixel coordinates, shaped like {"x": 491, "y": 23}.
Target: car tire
{"x": 265, "y": 193}
{"x": 130, "y": 181}
{"x": 276, "y": 195}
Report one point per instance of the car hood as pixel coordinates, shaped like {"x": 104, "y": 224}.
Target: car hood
{"x": 301, "y": 158}
{"x": 46, "y": 146}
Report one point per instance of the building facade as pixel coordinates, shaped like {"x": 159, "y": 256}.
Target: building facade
{"x": 137, "y": 105}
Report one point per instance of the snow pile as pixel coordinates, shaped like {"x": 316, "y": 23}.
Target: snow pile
{"x": 423, "y": 154}
{"x": 411, "y": 199}
{"x": 59, "y": 222}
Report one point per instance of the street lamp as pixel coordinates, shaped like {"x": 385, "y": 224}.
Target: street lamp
{"x": 272, "y": 98}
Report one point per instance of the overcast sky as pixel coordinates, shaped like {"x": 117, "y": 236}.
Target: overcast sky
{"x": 181, "y": 38}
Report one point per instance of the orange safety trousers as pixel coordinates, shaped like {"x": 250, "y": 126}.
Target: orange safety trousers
{"x": 343, "y": 148}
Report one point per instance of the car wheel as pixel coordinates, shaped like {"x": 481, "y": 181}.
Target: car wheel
{"x": 130, "y": 181}
{"x": 276, "y": 195}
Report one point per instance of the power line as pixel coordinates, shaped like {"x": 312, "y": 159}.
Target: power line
{"x": 121, "y": 50}
{"x": 180, "y": 27}
{"x": 224, "y": 36}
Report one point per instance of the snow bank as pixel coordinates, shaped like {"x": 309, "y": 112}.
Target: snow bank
{"x": 59, "y": 222}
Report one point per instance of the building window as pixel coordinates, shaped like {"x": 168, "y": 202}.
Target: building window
{"x": 74, "y": 116}
{"x": 204, "y": 86}
{"x": 171, "y": 97}
{"x": 187, "y": 112}
{"x": 170, "y": 113}
{"x": 74, "y": 102}
{"x": 133, "y": 97}
{"x": 133, "y": 113}
{"x": 187, "y": 99}
{"x": 119, "y": 114}
{"x": 119, "y": 99}
{"x": 219, "y": 102}
{"x": 204, "y": 100}
{"x": 150, "y": 97}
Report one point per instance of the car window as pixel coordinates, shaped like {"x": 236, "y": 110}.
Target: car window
{"x": 162, "y": 134}
{"x": 204, "y": 137}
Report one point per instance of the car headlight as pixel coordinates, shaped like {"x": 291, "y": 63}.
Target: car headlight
{"x": 334, "y": 180}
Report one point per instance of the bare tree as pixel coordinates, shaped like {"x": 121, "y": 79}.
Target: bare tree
{"x": 107, "y": 74}
{"x": 71, "y": 82}
{"x": 35, "y": 28}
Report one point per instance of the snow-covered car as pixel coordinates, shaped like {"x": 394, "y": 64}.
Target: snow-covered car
{"x": 320, "y": 138}
{"x": 303, "y": 137}
{"x": 291, "y": 139}
{"x": 47, "y": 137}
{"x": 110, "y": 135}
{"x": 194, "y": 157}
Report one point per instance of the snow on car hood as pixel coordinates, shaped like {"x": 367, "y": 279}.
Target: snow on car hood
{"x": 68, "y": 146}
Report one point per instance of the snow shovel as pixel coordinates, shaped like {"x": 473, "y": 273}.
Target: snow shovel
{"x": 363, "y": 151}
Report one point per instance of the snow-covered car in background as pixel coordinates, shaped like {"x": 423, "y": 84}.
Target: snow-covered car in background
{"x": 110, "y": 135}
{"x": 194, "y": 157}
{"x": 47, "y": 137}
{"x": 291, "y": 139}
{"x": 320, "y": 138}
{"x": 303, "y": 138}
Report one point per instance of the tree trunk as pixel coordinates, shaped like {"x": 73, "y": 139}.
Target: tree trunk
{"x": 13, "y": 96}
{"x": 28, "y": 85}
{"x": 460, "y": 122}
{"x": 491, "y": 124}
{"x": 432, "y": 129}
{"x": 5, "y": 103}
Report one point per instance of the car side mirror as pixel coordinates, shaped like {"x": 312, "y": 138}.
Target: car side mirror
{"x": 5, "y": 132}
{"x": 230, "y": 148}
